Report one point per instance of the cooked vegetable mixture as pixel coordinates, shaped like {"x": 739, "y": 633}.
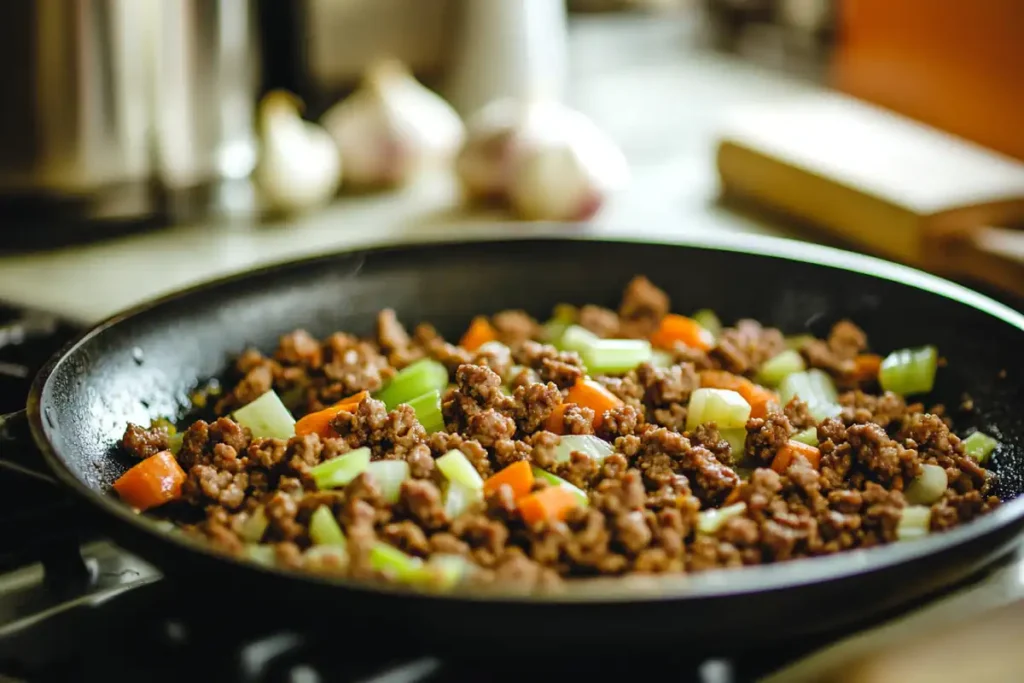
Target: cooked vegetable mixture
{"x": 597, "y": 443}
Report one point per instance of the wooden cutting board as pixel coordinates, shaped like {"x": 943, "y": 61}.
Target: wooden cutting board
{"x": 893, "y": 186}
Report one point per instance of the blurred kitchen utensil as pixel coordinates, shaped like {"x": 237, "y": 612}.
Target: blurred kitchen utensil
{"x": 881, "y": 181}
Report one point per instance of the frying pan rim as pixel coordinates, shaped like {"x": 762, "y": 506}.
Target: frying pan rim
{"x": 705, "y": 585}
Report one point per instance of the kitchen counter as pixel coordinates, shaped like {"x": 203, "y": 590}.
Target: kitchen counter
{"x": 644, "y": 80}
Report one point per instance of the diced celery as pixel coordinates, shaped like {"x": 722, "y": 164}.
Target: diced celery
{"x": 815, "y": 388}
{"x": 174, "y": 442}
{"x": 455, "y": 466}
{"x": 711, "y": 520}
{"x": 980, "y": 446}
{"x": 389, "y": 475}
{"x": 927, "y": 487}
{"x": 724, "y": 407}
{"x": 909, "y": 371}
{"x": 707, "y": 319}
{"x": 253, "y": 528}
{"x": 267, "y": 417}
{"x": 595, "y": 447}
{"x": 325, "y": 558}
{"x": 413, "y": 381}
{"x": 662, "y": 359}
{"x": 777, "y": 368}
{"x": 342, "y": 470}
{"x": 392, "y": 561}
{"x": 459, "y": 498}
{"x": 164, "y": 424}
{"x": 261, "y": 554}
{"x": 449, "y": 570}
{"x": 615, "y": 356}
{"x": 915, "y": 522}
{"x": 808, "y": 436}
{"x": 553, "y": 480}
{"x": 737, "y": 439}
{"x": 576, "y": 338}
{"x": 562, "y": 317}
{"x": 428, "y": 411}
{"x": 798, "y": 341}
{"x": 324, "y": 529}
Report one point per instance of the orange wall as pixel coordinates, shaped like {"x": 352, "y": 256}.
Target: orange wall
{"x": 954, "y": 64}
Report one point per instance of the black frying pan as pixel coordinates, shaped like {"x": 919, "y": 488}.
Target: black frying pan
{"x": 143, "y": 364}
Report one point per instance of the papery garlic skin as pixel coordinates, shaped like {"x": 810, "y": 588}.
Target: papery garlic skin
{"x": 484, "y": 164}
{"x": 300, "y": 166}
{"x": 393, "y": 128}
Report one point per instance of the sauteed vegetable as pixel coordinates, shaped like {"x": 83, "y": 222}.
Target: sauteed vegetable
{"x": 598, "y": 443}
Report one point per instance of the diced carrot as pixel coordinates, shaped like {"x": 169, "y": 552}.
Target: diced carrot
{"x": 154, "y": 481}
{"x": 757, "y": 396}
{"x": 784, "y": 457}
{"x": 556, "y": 420}
{"x": 554, "y": 502}
{"x": 678, "y": 328}
{"x": 518, "y": 475}
{"x": 587, "y": 393}
{"x": 479, "y": 333}
{"x": 867, "y": 366}
{"x": 320, "y": 421}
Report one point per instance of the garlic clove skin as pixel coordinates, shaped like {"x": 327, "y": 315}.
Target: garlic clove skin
{"x": 565, "y": 167}
{"x": 484, "y": 163}
{"x": 300, "y": 166}
{"x": 393, "y": 128}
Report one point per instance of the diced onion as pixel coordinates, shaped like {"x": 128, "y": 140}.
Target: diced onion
{"x": 707, "y": 319}
{"x": 389, "y": 475}
{"x": 909, "y": 371}
{"x": 553, "y": 480}
{"x": 590, "y": 445}
{"x": 980, "y": 446}
{"x": 428, "y": 411}
{"x": 724, "y": 407}
{"x": 615, "y": 356}
{"x": 777, "y": 368}
{"x": 413, "y": 381}
{"x": 342, "y": 470}
{"x": 711, "y": 520}
{"x": 808, "y": 436}
{"x": 915, "y": 522}
{"x": 455, "y": 466}
{"x": 253, "y": 528}
{"x": 324, "y": 529}
{"x": 927, "y": 487}
{"x": 267, "y": 417}
{"x": 325, "y": 558}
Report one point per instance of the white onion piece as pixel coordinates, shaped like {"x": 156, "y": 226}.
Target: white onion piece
{"x": 915, "y": 522}
{"x": 393, "y": 128}
{"x": 927, "y": 487}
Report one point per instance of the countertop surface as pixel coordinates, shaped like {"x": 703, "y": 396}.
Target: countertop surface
{"x": 645, "y": 81}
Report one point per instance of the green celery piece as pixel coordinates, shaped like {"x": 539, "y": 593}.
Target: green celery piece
{"x": 413, "y": 381}
{"x": 455, "y": 466}
{"x": 615, "y": 356}
{"x": 777, "y": 368}
{"x": 808, "y": 436}
{"x": 428, "y": 411}
{"x": 578, "y": 339}
{"x": 390, "y": 560}
{"x": 711, "y": 520}
{"x": 449, "y": 570}
{"x": 340, "y": 471}
{"x": 662, "y": 359}
{"x": 595, "y": 447}
{"x": 389, "y": 475}
{"x": 707, "y": 319}
{"x": 164, "y": 424}
{"x": 265, "y": 555}
{"x": 553, "y": 480}
{"x": 459, "y": 498}
{"x": 909, "y": 371}
{"x": 254, "y": 527}
{"x": 267, "y": 417}
{"x": 915, "y": 522}
{"x": 980, "y": 446}
{"x": 174, "y": 442}
{"x": 737, "y": 439}
{"x": 725, "y": 407}
{"x": 927, "y": 487}
{"x": 324, "y": 529}
{"x": 798, "y": 341}
{"x": 815, "y": 388}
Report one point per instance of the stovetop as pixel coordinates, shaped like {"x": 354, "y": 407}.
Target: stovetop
{"x": 74, "y": 606}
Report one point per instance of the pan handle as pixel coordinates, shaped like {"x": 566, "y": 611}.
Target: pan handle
{"x": 18, "y": 452}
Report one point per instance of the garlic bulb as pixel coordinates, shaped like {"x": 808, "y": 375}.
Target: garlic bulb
{"x": 549, "y": 161}
{"x": 393, "y": 128}
{"x": 299, "y": 166}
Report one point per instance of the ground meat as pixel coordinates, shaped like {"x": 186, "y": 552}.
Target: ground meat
{"x": 645, "y": 498}
{"x": 142, "y": 443}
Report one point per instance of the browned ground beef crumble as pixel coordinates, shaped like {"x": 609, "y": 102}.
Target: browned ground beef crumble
{"x": 644, "y": 498}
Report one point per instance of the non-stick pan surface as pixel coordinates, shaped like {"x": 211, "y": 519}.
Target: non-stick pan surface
{"x": 143, "y": 364}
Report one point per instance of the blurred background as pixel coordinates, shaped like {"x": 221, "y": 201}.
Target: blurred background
{"x": 146, "y": 145}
